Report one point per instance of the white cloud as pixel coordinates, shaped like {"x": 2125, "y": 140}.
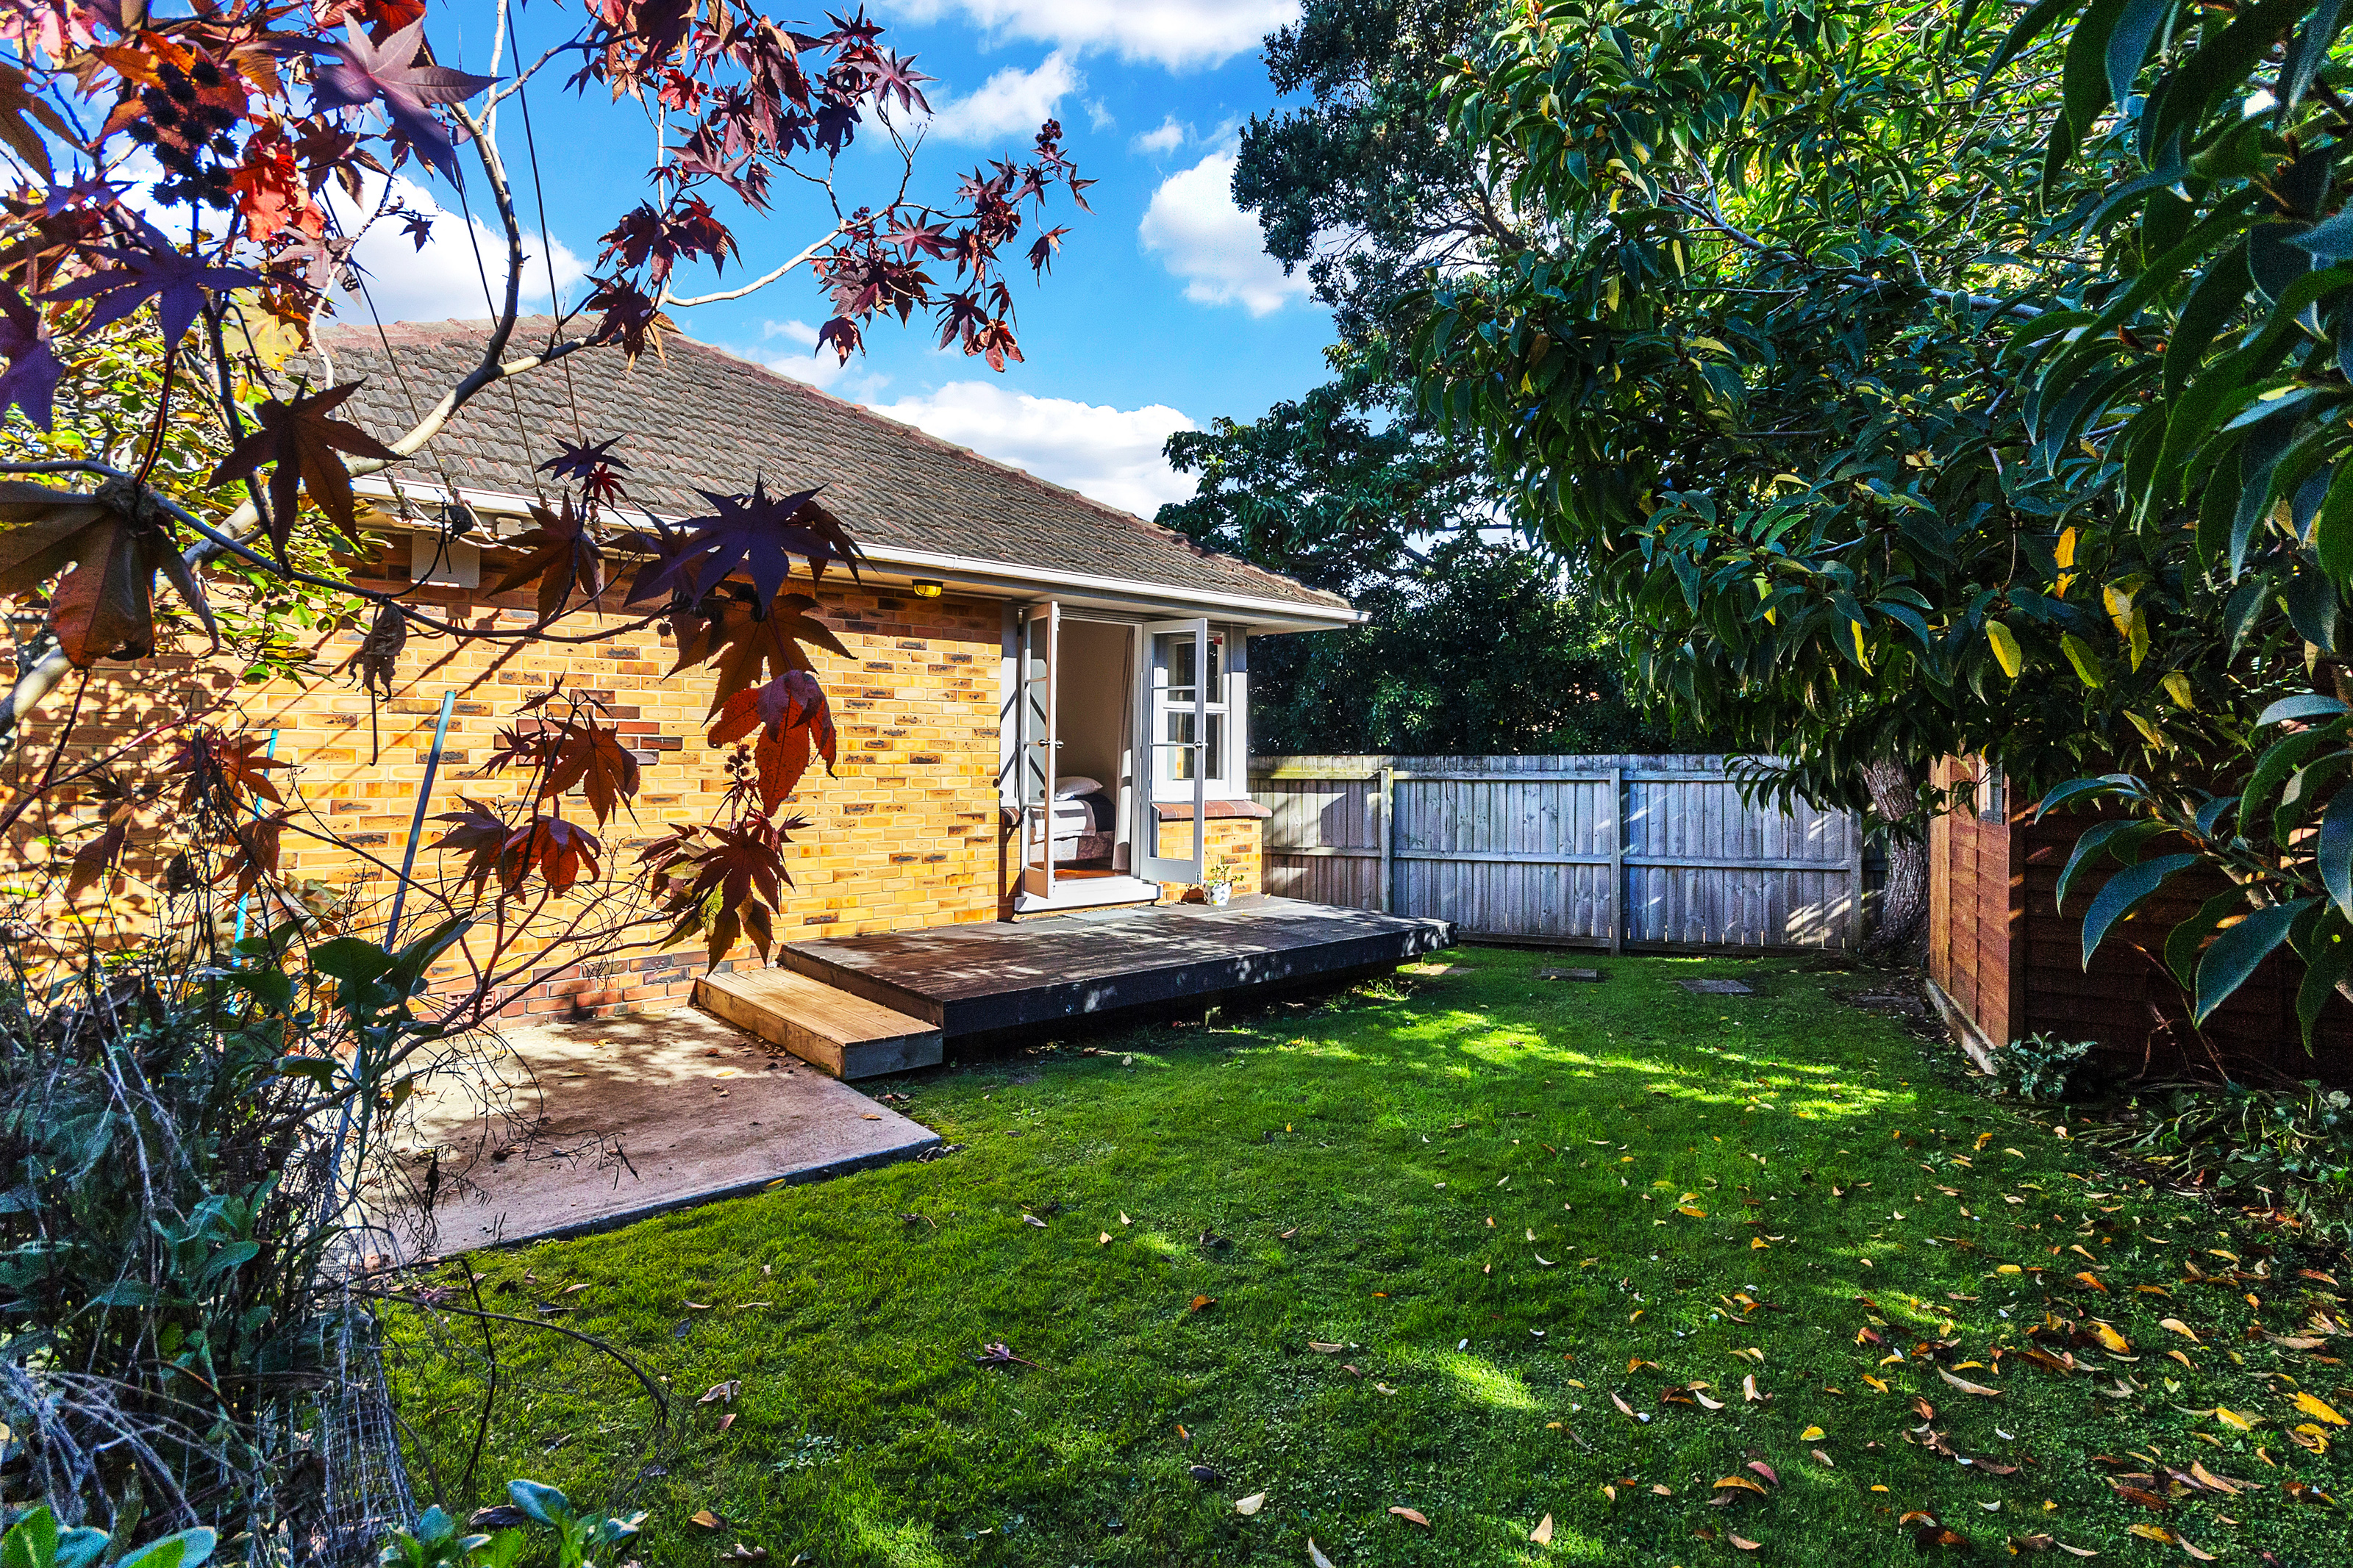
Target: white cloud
{"x": 1171, "y": 134}
{"x": 1110, "y": 454}
{"x": 1012, "y": 102}
{"x": 1201, "y": 237}
{"x": 1173, "y": 33}
{"x": 444, "y": 280}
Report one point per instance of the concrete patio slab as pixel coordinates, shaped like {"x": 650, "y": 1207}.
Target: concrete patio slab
{"x": 612, "y": 1120}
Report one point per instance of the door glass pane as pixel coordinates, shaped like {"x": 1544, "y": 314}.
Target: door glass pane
{"x": 1175, "y": 666}
{"x": 1179, "y": 758}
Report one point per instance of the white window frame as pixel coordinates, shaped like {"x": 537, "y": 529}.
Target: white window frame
{"x": 1221, "y": 698}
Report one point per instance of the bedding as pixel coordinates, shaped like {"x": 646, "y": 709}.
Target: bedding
{"x": 1083, "y": 828}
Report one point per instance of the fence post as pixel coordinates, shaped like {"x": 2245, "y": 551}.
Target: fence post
{"x": 1388, "y": 836}
{"x": 1854, "y": 881}
{"x": 1617, "y": 860}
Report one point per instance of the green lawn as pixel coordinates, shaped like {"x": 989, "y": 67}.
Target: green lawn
{"x": 1511, "y": 1204}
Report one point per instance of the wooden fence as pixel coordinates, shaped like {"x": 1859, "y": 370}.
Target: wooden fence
{"x": 1614, "y": 852}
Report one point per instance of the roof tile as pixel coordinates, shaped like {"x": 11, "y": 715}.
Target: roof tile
{"x": 696, "y": 418}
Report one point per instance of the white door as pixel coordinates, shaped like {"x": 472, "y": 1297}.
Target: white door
{"x": 1037, "y": 743}
{"x": 1178, "y": 749}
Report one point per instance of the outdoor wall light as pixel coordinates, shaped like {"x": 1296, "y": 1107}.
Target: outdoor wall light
{"x": 929, "y": 588}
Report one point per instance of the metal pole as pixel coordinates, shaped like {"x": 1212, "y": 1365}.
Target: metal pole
{"x": 245, "y": 898}
{"x": 416, "y": 822}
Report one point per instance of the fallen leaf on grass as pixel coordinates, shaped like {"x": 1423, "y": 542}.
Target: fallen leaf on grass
{"x": 2110, "y": 1339}
{"x": 1744, "y": 1483}
{"x": 2230, "y": 1417}
{"x": 1542, "y": 1534}
{"x": 1823, "y": 1459}
{"x": 703, "y": 1519}
{"x": 1410, "y": 1516}
{"x": 1199, "y": 1302}
{"x": 2178, "y": 1327}
{"x": 720, "y": 1391}
{"x": 1748, "y": 1387}
{"x": 1315, "y": 1555}
{"x": 726, "y": 1421}
{"x": 2212, "y": 1482}
{"x": 1742, "y": 1542}
{"x": 1248, "y": 1507}
{"x": 1325, "y": 1347}
{"x": 1965, "y": 1386}
{"x": 1762, "y": 1468}
{"x": 1813, "y": 1435}
{"x": 2309, "y": 1405}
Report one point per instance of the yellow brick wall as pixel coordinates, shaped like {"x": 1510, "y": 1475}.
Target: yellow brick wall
{"x": 1235, "y": 840}
{"x": 905, "y": 835}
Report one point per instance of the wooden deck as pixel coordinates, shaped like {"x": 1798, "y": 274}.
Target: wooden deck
{"x": 974, "y": 981}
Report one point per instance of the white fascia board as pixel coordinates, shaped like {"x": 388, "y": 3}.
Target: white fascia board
{"x": 1261, "y": 616}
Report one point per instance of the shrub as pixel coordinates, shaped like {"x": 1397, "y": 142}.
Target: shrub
{"x": 2040, "y": 1067}
{"x": 582, "y": 1541}
{"x": 2295, "y": 1145}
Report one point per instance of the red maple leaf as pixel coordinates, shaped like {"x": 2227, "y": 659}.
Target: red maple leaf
{"x": 272, "y": 195}
{"x": 792, "y": 718}
{"x": 750, "y": 649}
{"x": 225, "y": 771}
{"x": 105, "y": 607}
{"x": 560, "y": 851}
{"x": 301, "y": 443}
{"x": 727, "y": 887}
{"x": 562, "y": 554}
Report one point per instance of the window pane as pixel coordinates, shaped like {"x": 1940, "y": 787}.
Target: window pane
{"x": 1177, "y": 758}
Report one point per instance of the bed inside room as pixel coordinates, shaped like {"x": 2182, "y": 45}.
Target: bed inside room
{"x": 1092, "y": 767}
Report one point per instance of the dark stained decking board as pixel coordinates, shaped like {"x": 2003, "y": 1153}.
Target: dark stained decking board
{"x": 975, "y": 980}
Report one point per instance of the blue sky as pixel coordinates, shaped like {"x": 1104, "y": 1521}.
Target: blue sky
{"x": 1161, "y": 312}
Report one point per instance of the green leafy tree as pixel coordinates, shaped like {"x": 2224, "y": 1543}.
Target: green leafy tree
{"x": 1477, "y": 642}
{"x": 1754, "y": 361}
{"x": 1933, "y": 381}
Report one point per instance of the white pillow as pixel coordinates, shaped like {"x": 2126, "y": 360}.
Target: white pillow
{"x": 1075, "y": 785}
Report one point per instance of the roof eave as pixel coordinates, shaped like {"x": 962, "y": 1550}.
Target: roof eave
{"x": 997, "y": 578}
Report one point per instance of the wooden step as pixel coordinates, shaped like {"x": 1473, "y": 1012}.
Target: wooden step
{"x": 830, "y": 1029}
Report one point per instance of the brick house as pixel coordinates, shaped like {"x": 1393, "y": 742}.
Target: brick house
{"x": 1049, "y": 708}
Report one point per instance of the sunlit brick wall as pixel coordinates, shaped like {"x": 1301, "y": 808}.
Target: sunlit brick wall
{"x": 903, "y": 835}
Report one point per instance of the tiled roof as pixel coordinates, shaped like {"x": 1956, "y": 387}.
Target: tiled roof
{"x": 697, "y": 417}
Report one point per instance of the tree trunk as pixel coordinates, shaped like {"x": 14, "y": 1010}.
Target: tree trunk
{"x": 1903, "y": 902}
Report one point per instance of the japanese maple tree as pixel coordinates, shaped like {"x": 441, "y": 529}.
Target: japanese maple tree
{"x": 201, "y": 173}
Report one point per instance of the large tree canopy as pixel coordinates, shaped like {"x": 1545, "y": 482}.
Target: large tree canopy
{"x": 1477, "y": 642}
{"x": 1935, "y": 382}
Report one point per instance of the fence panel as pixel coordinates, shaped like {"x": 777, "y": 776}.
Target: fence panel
{"x": 1603, "y": 851}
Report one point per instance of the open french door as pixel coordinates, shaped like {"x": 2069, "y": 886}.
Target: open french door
{"x": 1176, "y": 672}
{"x": 1037, "y": 743}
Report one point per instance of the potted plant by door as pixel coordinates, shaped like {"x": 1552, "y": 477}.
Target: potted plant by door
{"x": 1218, "y": 887}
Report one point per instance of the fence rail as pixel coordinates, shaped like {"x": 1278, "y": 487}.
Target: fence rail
{"x": 1599, "y": 851}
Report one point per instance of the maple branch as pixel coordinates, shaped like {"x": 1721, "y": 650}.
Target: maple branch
{"x": 808, "y": 252}
{"x": 488, "y": 370}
